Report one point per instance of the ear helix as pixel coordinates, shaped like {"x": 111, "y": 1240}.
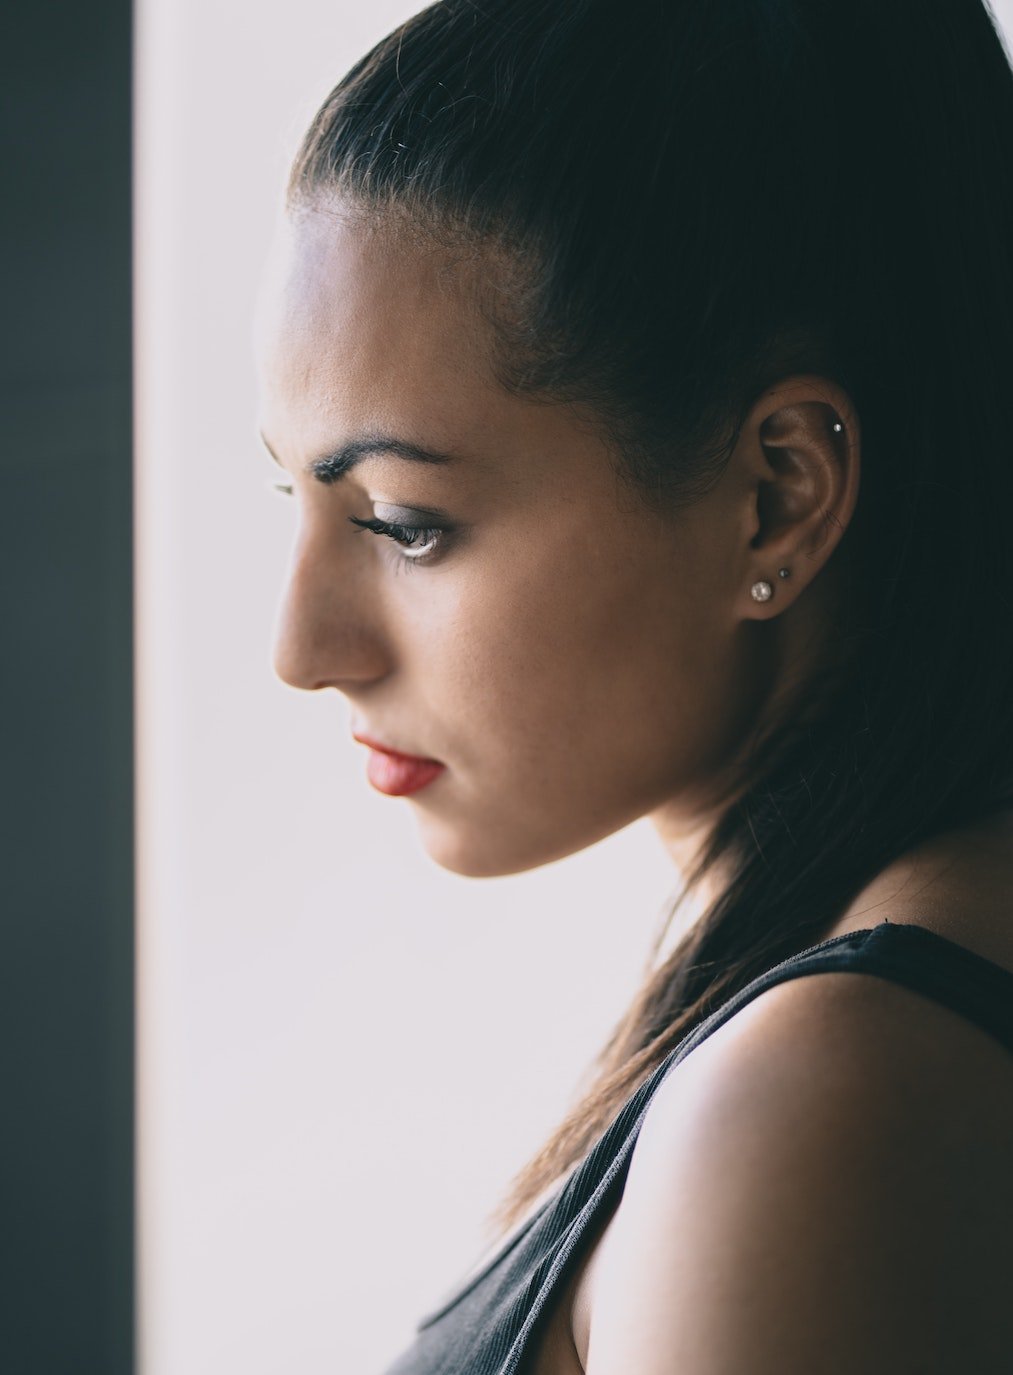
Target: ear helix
{"x": 762, "y": 591}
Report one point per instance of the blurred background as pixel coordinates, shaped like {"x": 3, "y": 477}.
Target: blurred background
{"x": 344, "y": 1051}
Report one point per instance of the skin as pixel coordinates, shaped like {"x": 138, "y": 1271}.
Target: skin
{"x": 575, "y": 660}
{"x": 578, "y": 661}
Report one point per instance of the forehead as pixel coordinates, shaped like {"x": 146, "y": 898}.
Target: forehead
{"x": 357, "y": 325}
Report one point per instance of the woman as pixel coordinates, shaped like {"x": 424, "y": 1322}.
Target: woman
{"x": 665, "y": 348}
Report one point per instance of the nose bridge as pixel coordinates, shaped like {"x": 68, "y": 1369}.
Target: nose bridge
{"x": 326, "y": 632}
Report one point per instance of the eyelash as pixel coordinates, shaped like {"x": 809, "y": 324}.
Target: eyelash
{"x": 405, "y": 536}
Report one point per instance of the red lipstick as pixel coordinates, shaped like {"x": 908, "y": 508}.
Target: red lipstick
{"x": 397, "y": 774}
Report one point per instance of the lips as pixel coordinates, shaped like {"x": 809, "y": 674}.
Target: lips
{"x": 397, "y": 774}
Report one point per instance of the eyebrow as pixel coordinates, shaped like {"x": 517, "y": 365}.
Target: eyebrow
{"x": 330, "y": 467}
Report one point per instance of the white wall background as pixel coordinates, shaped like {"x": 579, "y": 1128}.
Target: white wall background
{"x": 344, "y": 1051}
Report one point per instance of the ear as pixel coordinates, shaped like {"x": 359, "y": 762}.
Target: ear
{"x": 800, "y": 447}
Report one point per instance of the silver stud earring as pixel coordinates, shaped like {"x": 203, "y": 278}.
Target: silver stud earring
{"x": 761, "y": 591}
{"x": 837, "y": 427}
{"x": 784, "y": 572}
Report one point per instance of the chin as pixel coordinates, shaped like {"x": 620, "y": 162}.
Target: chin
{"x": 473, "y": 856}
{"x": 494, "y": 853}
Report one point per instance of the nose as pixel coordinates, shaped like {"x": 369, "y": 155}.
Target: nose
{"x": 325, "y": 632}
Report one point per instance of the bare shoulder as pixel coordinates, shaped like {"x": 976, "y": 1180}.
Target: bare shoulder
{"x": 823, "y": 1184}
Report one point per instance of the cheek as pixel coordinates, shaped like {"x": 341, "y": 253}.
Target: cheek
{"x": 590, "y": 664}
{"x": 566, "y": 724}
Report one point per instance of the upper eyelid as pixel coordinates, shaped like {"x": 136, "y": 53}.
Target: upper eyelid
{"x": 380, "y": 521}
{"x": 435, "y": 517}
{"x": 441, "y": 533}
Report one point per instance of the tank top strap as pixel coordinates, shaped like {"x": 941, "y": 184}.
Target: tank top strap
{"x": 901, "y": 952}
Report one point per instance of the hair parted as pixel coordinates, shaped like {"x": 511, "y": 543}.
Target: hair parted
{"x": 682, "y": 202}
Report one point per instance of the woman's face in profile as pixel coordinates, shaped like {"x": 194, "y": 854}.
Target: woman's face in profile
{"x": 573, "y": 660}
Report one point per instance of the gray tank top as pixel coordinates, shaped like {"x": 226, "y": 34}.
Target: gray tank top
{"x": 488, "y": 1324}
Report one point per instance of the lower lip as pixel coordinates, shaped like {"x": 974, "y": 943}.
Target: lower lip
{"x": 397, "y": 776}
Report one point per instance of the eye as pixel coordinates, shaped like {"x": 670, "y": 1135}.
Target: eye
{"x": 417, "y": 542}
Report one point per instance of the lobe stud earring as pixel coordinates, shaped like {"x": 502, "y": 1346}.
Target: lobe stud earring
{"x": 762, "y": 591}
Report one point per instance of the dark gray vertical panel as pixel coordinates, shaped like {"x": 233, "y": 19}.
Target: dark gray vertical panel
{"x": 66, "y": 802}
